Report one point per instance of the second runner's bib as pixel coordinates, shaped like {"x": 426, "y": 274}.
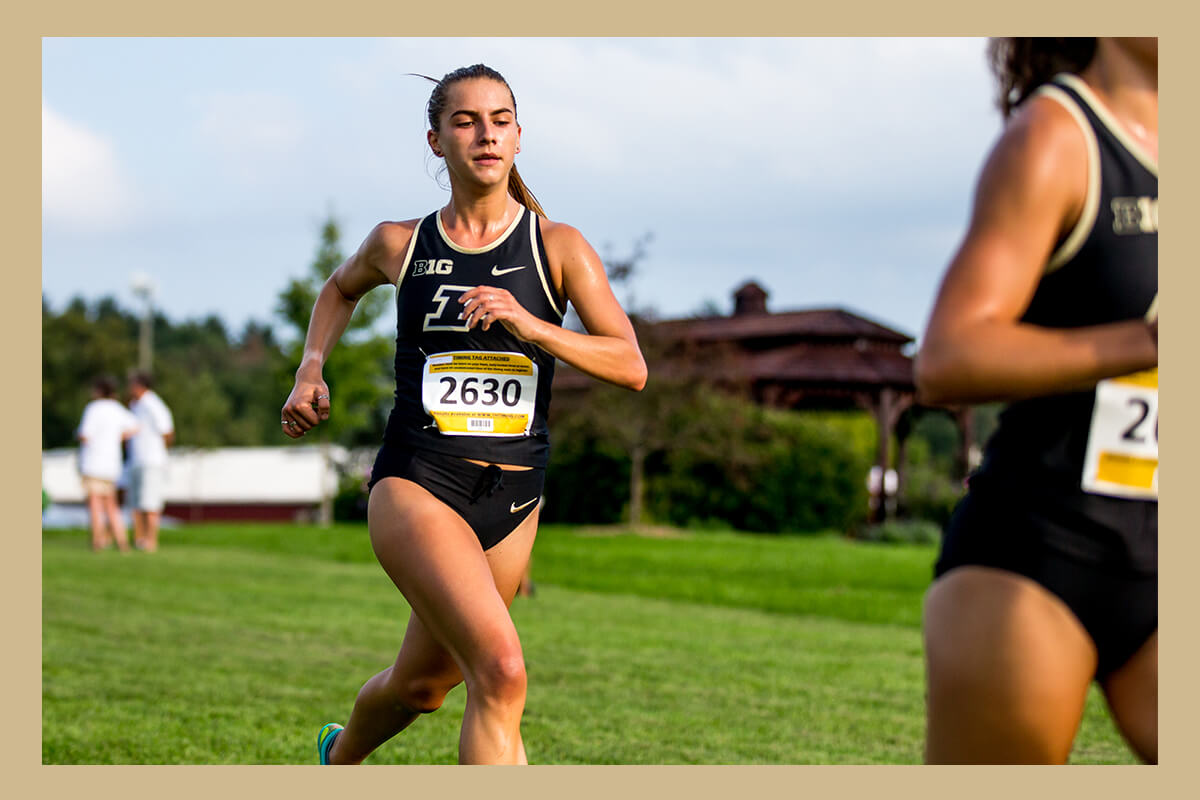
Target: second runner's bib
{"x": 1122, "y": 448}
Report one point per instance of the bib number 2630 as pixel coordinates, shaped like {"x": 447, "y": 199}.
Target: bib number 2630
{"x": 480, "y": 393}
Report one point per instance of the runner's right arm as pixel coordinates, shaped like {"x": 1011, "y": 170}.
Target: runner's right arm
{"x": 376, "y": 262}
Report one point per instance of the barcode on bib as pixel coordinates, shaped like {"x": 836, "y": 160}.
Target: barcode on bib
{"x": 475, "y": 424}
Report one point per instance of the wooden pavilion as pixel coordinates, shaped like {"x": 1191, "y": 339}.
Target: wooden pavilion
{"x": 823, "y": 358}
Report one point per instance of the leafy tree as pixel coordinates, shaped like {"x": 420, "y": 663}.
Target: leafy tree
{"x": 674, "y": 416}
{"x": 221, "y": 391}
{"x": 256, "y": 380}
{"x": 666, "y": 414}
{"x": 201, "y": 408}
{"x": 78, "y": 345}
{"x": 938, "y": 430}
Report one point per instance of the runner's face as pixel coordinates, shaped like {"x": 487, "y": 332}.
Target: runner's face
{"x": 479, "y": 135}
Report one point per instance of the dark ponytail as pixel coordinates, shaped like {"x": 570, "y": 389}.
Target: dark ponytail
{"x": 1021, "y": 65}
{"x": 521, "y": 193}
{"x": 437, "y": 104}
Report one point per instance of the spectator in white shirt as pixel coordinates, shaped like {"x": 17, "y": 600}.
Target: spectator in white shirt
{"x": 148, "y": 460}
{"x": 105, "y": 424}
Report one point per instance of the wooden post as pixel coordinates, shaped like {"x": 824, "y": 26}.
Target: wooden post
{"x": 886, "y": 406}
{"x": 903, "y": 429}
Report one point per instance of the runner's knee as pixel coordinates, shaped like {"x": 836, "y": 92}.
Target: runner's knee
{"x": 423, "y": 694}
{"x": 500, "y": 677}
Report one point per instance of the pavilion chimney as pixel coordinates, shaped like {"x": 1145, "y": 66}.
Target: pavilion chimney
{"x": 749, "y": 299}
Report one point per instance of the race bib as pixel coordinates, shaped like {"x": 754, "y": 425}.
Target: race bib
{"x": 1122, "y": 448}
{"x": 480, "y": 392}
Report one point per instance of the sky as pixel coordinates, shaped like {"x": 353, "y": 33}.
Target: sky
{"x": 834, "y": 172}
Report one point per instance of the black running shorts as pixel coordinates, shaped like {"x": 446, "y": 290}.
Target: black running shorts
{"x": 491, "y": 500}
{"x": 1117, "y": 605}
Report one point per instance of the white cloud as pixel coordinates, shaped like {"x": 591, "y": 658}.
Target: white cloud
{"x": 847, "y": 151}
{"x": 808, "y": 111}
{"x": 676, "y": 117}
{"x": 83, "y": 184}
{"x": 802, "y": 162}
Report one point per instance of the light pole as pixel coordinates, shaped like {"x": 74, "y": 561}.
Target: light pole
{"x": 143, "y": 287}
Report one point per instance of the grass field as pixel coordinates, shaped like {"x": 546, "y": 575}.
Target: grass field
{"x": 233, "y": 644}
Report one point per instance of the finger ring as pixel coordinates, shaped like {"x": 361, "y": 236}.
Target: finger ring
{"x": 287, "y": 422}
{"x": 322, "y": 397}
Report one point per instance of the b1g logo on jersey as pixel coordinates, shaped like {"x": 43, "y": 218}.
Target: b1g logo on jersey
{"x": 1135, "y": 215}
{"x": 433, "y": 266}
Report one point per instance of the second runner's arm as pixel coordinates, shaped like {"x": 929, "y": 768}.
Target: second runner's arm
{"x": 975, "y": 347}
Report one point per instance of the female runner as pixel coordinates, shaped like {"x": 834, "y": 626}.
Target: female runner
{"x": 482, "y": 286}
{"x": 1048, "y": 575}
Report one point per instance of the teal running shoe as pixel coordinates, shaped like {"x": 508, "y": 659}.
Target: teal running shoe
{"x": 325, "y": 740}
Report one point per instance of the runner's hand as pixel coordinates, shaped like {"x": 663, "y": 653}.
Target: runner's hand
{"x": 485, "y": 305}
{"x": 306, "y": 407}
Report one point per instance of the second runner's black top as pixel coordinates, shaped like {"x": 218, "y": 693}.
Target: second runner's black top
{"x": 1095, "y": 452}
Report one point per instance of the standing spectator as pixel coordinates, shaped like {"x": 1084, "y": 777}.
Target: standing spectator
{"x": 105, "y": 424}
{"x": 148, "y": 459}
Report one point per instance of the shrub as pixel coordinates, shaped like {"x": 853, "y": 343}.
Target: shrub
{"x": 912, "y": 531}
{"x": 350, "y": 502}
{"x": 736, "y": 465}
{"x": 929, "y": 494}
{"x": 788, "y": 471}
{"x": 586, "y": 483}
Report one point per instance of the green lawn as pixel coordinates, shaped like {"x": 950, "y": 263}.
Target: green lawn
{"x": 233, "y": 644}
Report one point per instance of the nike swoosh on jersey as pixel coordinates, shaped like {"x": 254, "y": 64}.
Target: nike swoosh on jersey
{"x": 514, "y": 508}
{"x": 498, "y": 272}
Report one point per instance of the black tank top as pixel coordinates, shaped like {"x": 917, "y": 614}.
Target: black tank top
{"x": 1104, "y": 270}
{"x": 472, "y": 393}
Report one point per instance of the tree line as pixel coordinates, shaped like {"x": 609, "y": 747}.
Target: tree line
{"x": 224, "y": 388}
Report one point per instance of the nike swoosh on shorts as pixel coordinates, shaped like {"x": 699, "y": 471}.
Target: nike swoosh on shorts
{"x": 514, "y": 508}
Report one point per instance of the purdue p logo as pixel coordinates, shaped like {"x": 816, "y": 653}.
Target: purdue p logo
{"x": 439, "y": 266}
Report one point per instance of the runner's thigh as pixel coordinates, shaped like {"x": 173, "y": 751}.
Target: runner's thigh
{"x": 1132, "y": 694}
{"x": 436, "y": 562}
{"x": 1008, "y": 669}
